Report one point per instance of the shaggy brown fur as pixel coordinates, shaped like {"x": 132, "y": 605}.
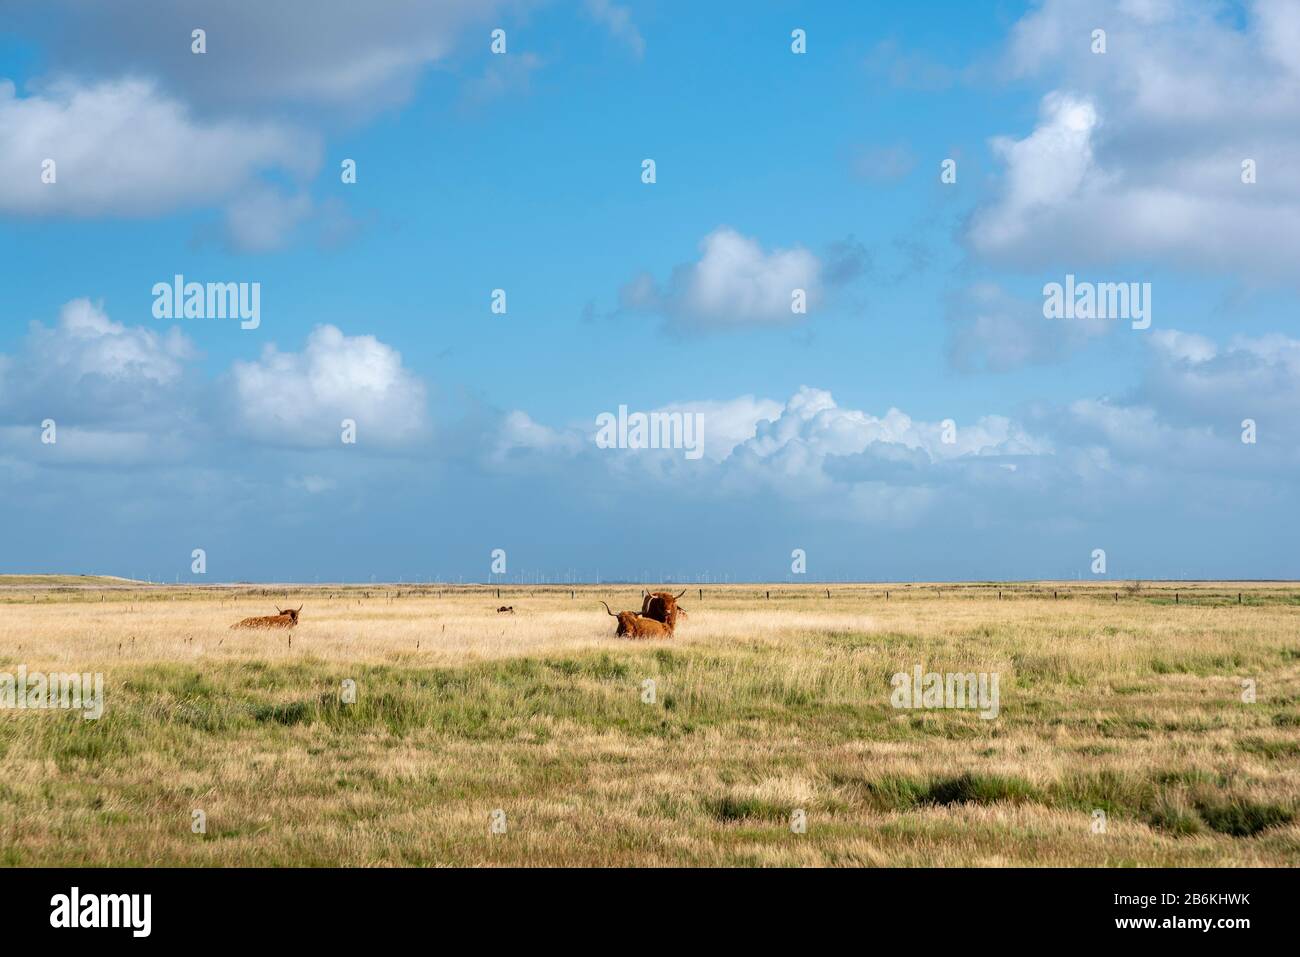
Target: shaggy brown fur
{"x": 632, "y": 625}
{"x": 662, "y": 606}
{"x": 285, "y": 619}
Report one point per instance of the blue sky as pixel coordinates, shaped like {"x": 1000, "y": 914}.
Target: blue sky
{"x": 775, "y": 170}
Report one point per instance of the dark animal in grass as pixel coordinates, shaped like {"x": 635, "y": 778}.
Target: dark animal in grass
{"x": 506, "y": 608}
{"x": 662, "y": 606}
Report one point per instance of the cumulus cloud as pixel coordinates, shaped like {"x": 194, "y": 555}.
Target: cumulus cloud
{"x": 117, "y": 394}
{"x": 122, "y": 394}
{"x": 734, "y": 283}
{"x": 139, "y": 125}
{"x": 94, "y": 368}
{"x": 300, "y": 398}
{"x": 1194, "y": 379}
{"x": 813, "y": 429}
{"x": 1136, "y": 432}
{"x": 1137, "y": 156}
{"x": 1164, "y": 456}
{"x": 727, "y": 423}
{"x": 1041, "y": 169}
{"x": 125, "y": 148}
{"x": 87, "y": 343}
{"x": 809, "y": 450}
{"x": 520, "y": 433}
{"x": 834, "y": 462}
{"x": 1183, "y": 346}
{"x": 812, "y": 459}
{"x": 1185, "y": 417}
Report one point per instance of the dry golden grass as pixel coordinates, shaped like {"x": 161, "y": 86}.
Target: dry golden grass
{"x": 763, "y": 706}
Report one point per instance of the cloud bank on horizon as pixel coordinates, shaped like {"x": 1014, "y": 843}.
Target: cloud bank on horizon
{"x": 809, "y": 307}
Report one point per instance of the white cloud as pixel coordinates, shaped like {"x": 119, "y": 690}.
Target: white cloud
{"x": 1138, "y": 151}
{"x": 86, "y": 342}
{"x": 817, "y": 426}
{"x": 1186, "y": 346}
{"x": 131, "y": 394}
{"x": 124, "y": 148}
{"x": 118, "y": 394}
{"x": 86, "y": 368}
{"x": 1185, "y": 418}
{"x": 519, "y": 432}
{"x": 300, "y": 398}
{"x": 859, "y": 466}
{"x": 809, "y": 449}
{"x": 1196, "y": 380}
{"x": 1049, "y": 164}
{"x": 727, "y": 423}
{"x": 734, "y": 283}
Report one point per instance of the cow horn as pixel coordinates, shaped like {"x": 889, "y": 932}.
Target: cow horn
{"x": 611, "y": 614}
{"x": 300, "y": 606}
{"x": 681, "y": 593}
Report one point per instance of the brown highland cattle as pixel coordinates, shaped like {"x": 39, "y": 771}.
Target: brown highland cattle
{"x": 285, "y": 619}
{"x": 632, "y": 625}
{"x": 662, "y": 606}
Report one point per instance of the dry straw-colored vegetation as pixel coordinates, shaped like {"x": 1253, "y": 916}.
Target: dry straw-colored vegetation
{"x": 1112, "y": 697}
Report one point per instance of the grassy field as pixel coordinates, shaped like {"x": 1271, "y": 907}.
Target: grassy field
{"x": 1114, "y": 697}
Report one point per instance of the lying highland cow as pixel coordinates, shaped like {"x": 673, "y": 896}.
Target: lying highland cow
{"x": 285, "y": 619}
{"x": 632, "y": 625}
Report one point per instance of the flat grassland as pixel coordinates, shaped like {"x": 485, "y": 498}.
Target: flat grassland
{"x": 1114, "y": 698}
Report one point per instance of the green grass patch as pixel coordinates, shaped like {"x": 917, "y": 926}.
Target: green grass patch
{"x": 729, "y": 808}
{"x": 1241, "y": 817}
{"x": 1272, "y": 750}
